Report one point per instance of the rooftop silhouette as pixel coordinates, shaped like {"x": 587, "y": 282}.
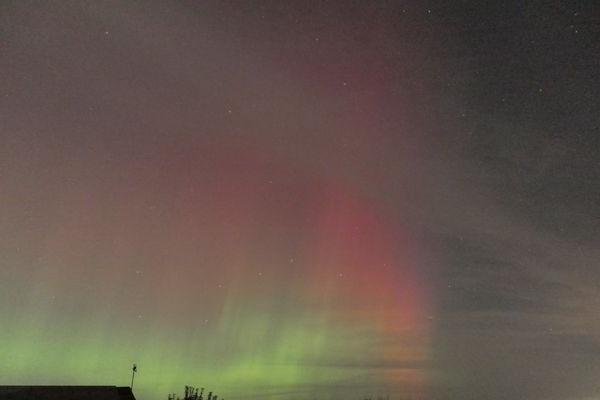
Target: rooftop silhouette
{"x": 65, "y": 393}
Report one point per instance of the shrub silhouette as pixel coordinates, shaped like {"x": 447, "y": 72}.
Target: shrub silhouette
{"x": 193, "y": 393}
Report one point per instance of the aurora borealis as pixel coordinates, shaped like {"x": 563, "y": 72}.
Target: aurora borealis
{"x": 326, "y": 200}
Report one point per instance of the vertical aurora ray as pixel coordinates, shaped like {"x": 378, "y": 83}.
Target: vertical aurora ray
{"x": 223, "y": 231}
{"x": 297, "y": 200}
{"x": 232, "y": 281}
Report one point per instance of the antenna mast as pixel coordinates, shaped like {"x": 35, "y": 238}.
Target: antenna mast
{"x": 133, "y": 371}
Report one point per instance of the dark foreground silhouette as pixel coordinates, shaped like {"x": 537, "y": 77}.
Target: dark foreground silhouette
{"x": 194, "y": 393}
{"x": 65, "y": 393}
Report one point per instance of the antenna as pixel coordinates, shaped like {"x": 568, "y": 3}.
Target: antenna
{"x": 133, "y": 371}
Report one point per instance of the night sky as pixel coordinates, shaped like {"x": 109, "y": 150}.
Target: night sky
{"x": 302, "y": 200}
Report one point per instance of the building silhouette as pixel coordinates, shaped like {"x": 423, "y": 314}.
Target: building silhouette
{"x": 65, "y": 393}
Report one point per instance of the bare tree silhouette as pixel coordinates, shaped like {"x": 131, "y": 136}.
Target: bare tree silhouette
{"x": 192, "y": 393}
